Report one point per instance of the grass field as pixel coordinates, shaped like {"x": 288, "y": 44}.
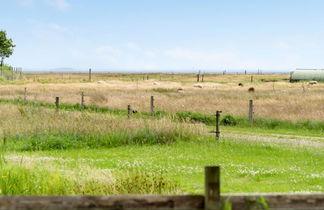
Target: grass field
{"x": 99, "y": 151}
{"x": 274, "y": 96}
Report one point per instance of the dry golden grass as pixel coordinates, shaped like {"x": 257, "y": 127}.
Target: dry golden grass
{"x": 19, "y": 120}
{"x": 277, "y": 100}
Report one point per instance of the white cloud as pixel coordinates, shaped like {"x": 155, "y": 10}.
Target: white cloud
{"x": 221, "y": 58}
{"x": 150, "y": 54}
{"x": 218, "y": 59}
{"x": 132, "y": 46}
{"x": 26, "y": 3}
{"x": 59, "y": 4}
{"x": 58, "y": 27}
{"x": 283, "y": 45}
{"x": 106, "y": 49}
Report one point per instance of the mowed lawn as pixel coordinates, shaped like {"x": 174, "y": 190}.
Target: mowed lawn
{"x": 246, "y": 167}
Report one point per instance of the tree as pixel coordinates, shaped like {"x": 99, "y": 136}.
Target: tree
{"x": 6, "y": 46}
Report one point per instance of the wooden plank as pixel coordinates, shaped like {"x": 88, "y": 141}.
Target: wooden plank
{"x": 276, "y": 201}
{"x": 190, "y": 202}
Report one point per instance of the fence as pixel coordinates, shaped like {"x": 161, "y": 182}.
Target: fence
{"x": 11, "y": 73}
{"x": 212, "y": 200}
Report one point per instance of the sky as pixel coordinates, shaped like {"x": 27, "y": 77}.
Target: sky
{"x": 175, "y": 35}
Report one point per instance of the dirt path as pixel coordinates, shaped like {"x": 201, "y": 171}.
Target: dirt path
{"x": 299, "y": 142}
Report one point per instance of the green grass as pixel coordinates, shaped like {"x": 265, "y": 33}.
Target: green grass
{"x": 38, "y": 180}
{"x": 245, "y": 167}
{"x": 56, "y": 140}
{"x": 269, "y": 125}
{"x": 60, "y": 152}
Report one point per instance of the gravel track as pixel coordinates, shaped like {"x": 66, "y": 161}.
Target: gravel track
{"x": 297, "y": 142}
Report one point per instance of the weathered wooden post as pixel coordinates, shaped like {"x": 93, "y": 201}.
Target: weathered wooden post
{"x": 57, "y": 103}
{"x": 217, "y": 124}
{"x": 251, "y": 112}
{"x": 212, "y": 188}
{"x": 82, "y": 100}
{"x": 25, "y": 94}
{"x": 152, "y": 106}
{"x": 90, "y": 75}
{"x": 128, "y": 111}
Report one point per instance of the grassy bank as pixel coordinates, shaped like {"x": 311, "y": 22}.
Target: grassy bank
{"x": 258, "y": 123}
{"x": 308, "y": 126}
{"x": 36, "y": 128}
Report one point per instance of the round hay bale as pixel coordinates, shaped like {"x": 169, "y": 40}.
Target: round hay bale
{"x": 251, "y": 89}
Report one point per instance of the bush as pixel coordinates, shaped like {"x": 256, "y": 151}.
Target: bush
{"x": 229, "y": 120}
{"x": 196, "y": 117}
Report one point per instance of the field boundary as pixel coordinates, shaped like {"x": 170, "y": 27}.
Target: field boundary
{"x": 189, "y": 202}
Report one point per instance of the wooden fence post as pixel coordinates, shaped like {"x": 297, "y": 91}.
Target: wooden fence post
{"x": 82, "y": 100}
{"x": 212, "y": 188}
{"x": 251, "y": 112}
{"x": 152, "y": 106}
{"x": 217, "y": 124}
{"x": 25, "y": 95}
{"x": 57, "y": 103}
{"x": 128, "y": 111}
{"x": 90, "y": 75}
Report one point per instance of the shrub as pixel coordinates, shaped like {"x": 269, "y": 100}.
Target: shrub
{"x": 196, "y": 117}
{"x": 229, "y": 120}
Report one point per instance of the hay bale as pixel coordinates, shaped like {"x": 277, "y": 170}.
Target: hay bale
{"x": 180, "y": 90}
{"x": 198, "y": 85}
{"x": 312, "y": 83}
{"x": 102, "y": 82}
{"x": 251, "y": 89}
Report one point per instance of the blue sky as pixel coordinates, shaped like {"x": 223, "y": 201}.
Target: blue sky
{"x": 165, "y": 34}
